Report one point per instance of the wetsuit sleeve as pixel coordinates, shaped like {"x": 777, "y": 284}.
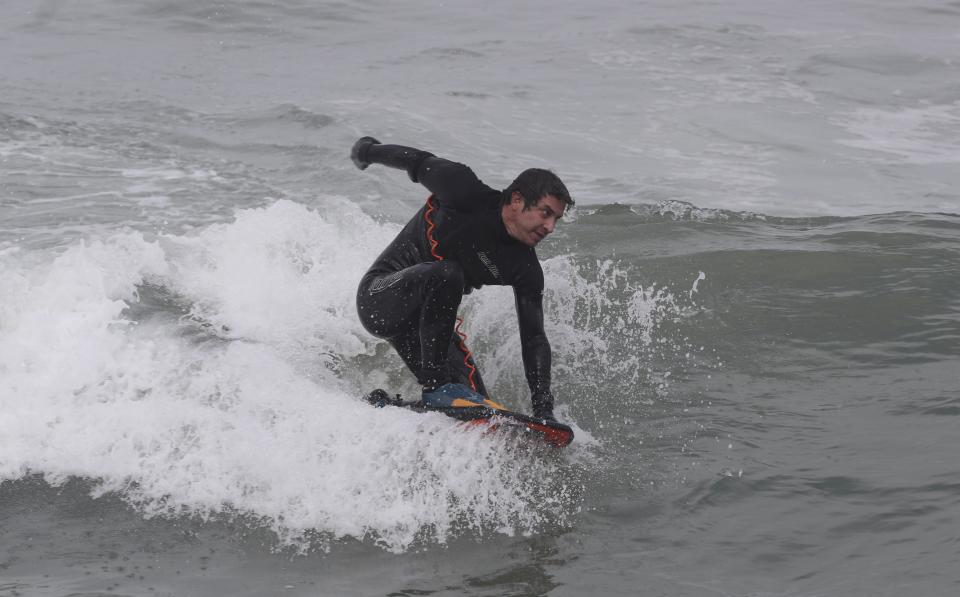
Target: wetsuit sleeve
{"x": 533, "y": 340}
{"x": 454, "y": 184}
{"x": 395, "y": 156}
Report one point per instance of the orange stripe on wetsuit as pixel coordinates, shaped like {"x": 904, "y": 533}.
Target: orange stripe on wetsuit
{"x": 436, "y": 255}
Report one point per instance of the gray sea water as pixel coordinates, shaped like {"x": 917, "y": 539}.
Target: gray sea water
{"x": 754, "y": 308}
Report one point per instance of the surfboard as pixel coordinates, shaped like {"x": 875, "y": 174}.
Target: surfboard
{"x": 490, "y": 414}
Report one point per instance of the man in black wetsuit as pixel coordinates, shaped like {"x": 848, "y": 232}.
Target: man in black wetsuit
{"x": 465, "y": 236}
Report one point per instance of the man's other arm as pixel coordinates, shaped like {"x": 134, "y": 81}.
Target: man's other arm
{"x": 536, "y": 351}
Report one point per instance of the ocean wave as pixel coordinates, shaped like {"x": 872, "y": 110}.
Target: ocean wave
{"x": 217, "y": 373}
{"x": 254, "y": 413}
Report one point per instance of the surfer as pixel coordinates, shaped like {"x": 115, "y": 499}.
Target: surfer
{"x": 466, "y": 235}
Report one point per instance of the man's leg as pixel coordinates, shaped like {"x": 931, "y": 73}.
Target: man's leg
{"x": 424, "y": 297}
{"x": 463, "y": 369}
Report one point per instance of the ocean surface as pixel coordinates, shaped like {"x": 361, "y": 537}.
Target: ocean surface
{"x": 754, "y": 308}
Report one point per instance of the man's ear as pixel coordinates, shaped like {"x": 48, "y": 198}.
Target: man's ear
{"x": 516, "y": 199}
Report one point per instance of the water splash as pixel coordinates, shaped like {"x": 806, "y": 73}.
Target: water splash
{"x": 106, "y": 375}
{"x": 604, "y": 323}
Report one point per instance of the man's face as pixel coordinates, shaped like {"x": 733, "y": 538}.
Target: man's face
{"x": 530, "y": 226}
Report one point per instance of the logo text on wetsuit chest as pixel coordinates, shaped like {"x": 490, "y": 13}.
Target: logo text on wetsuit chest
{"x": 489, "y": 264}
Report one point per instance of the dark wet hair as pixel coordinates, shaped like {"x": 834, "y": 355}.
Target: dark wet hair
{"x": 535, "y": 183}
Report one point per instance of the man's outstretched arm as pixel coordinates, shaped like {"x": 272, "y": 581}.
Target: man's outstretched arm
{"x": 368, "y": 150}
{"x": 452, "y": 182}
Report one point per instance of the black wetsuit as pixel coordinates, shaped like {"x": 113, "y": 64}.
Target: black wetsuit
{"x": 455, "y": 243}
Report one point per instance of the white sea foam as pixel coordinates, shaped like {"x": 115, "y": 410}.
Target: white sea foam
{"x": 696, "y": 283}
{"x": 282, "y": 275}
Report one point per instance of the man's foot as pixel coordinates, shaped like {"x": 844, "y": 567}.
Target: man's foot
{"x": 543, "y": 405}
{"x": 545, "y": 413}
{"x": 452, "y": 394}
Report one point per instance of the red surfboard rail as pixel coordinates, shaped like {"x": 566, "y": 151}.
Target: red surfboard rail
{"x": 547, "y": 430}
